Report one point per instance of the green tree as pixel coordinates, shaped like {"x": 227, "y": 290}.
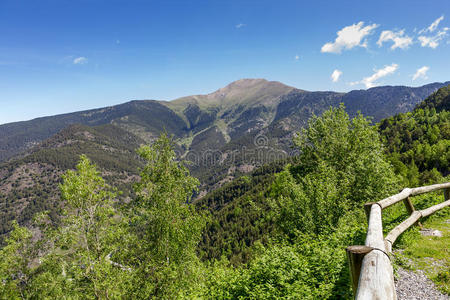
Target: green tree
{"x": 317, "y": 205}
{"x": 79, "y": 263}
{"x": 342, "y": 166}
{"x": 420, "y": 140}
{"x": 167, "y": 228}
{"x": 15, "y": 258}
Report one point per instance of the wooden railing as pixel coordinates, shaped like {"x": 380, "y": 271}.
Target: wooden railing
{"x": 370, "y": 265}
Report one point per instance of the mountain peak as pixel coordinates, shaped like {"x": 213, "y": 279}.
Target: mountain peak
{"x": 243, "y": 85}
{"x": 247, "y": 90}
{"x": 246, "y": 82}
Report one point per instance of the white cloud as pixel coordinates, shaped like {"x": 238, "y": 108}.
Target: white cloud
{"x": 80, "y": 60}
{"x": 433, "y": 41}
{"x": 399, "y": 38}
{"x": 240, "y": 25}
{"x": 433, "y": 25}
{"x": 370, "y": 81}
{"x": 349, "y": 37}
{"x": 335, "y": 75}
{"x": 421, "y": 73}
{"x": 297, "y": 57}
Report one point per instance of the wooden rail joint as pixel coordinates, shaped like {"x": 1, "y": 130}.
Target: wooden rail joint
{"x": 367, "y": 208}
{"x": 355, "y": 256}
{"x": 371, "y": 272}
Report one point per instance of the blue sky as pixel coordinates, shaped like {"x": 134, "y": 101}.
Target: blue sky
{"x": 61, "y": 56}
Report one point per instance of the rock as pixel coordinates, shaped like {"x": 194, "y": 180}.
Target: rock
{"x": 431, "y": 232}
{"x": 416, "y": 286}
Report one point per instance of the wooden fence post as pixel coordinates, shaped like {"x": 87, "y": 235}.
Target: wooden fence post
{"x": 370, "y": 267}
{"x": 410, "y": 208}
{"x": 367, "y": 207}
{"x": 377, "y": 277}
{"x": 355, "y": 255}
{"x": 409, "y": 205}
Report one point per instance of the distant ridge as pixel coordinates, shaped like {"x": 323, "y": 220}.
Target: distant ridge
{"x": 242, "y": 107}
{"x": 238, "y": 133}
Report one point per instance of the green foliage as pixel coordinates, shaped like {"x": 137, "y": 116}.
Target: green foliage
{"x": 98, "y": 251}
{"x": 341, "y": 166}
{"x": 79, "y": 262}
{"x": 311, "y": 267}
{"x": 14, "y": 259}
{"x": 238, "y": 212}
{"x": 110, "y": 147}
{"x": 316, "y": 205}
{"x": 165, "y": 226}
{"x": 278, "y": 232}
{"x": 169, "y": 224}
{"x": 440, "y": 100}
{"x": 418, "y": 142}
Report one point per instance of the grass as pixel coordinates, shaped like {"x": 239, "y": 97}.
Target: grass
{"x": 223, "y": 128}
{"x": 430, "y": 254}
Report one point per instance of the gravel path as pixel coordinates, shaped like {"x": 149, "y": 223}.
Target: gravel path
{"x": 416, "y": 286}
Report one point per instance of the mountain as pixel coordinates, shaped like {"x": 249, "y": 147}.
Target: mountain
{"x": 144, "y": 117}
{"x": 384, "y": 101}
{"x": 223, "y": 135}
{"x": 242, "y": 107}
{"x": 440, "y": 100}
{"x": 417, "y": 144}
{"x": 240, "y": 92}
{"x": 30, "y": 184}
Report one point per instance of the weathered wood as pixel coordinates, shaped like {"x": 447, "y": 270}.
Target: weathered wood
{"x": 434, "y": 208}
{"x": 429, "y": 188}
{"x": 412, "y": 192}
{"x": 374, "y": 237}
{"x": 399, "y": 229}
{"x": 409, "y": 206}
{"x": 395, "y": 198}
{"x": 355, "y": 255}
{"x": 367, "y": 207}
{"x": 376, "y": 280}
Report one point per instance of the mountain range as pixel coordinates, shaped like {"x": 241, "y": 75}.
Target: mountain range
{"x": 242, "y": 107}
{"x": 223, "y": 135}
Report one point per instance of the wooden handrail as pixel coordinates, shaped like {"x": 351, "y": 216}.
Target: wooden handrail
{"x": 376, "y": 263}
{"x": 371, "y": 269}
{"x": 413, "y": 218}
{"x": 405, "y": 193}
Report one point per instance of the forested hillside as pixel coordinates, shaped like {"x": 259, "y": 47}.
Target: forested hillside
{"x": 231, "y": 203}
{"x": 220, "y": 122}
{"x": 224, "y": 135}
{"x": 30, "y": 184}
{"x": 418, "y": 142}
{"x": 277, "y": 232}
{"x": 148, "y": 247}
